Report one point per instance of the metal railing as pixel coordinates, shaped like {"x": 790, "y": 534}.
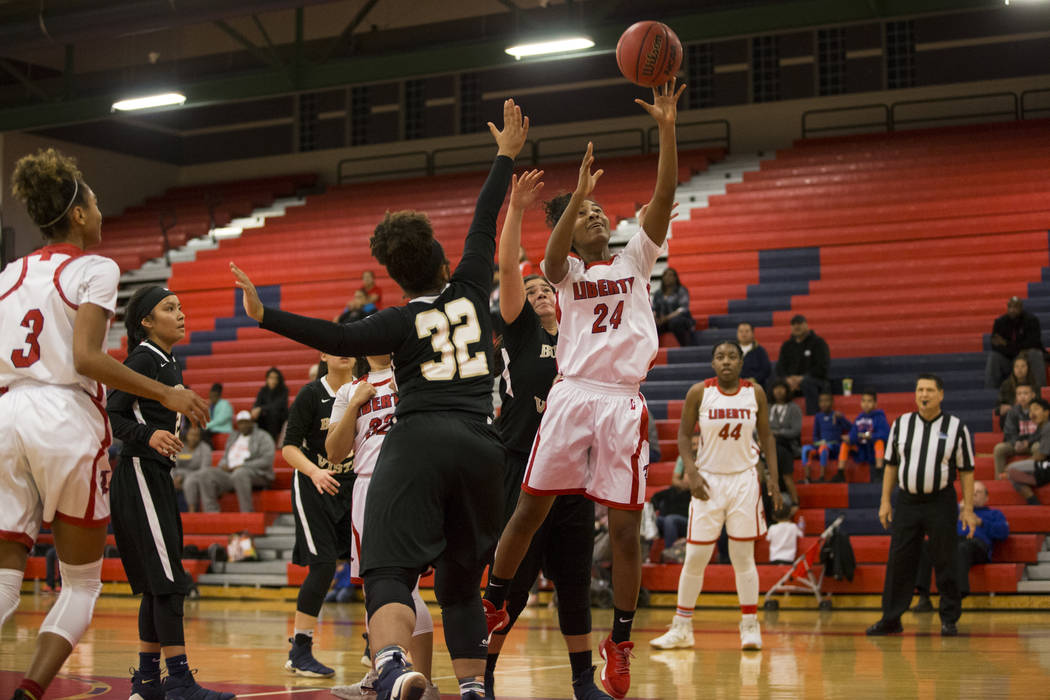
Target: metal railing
{"x": 425, "y": 168}
{"x": 634, "y": 142}
{"x": 483, "y": 161}
{"x": 1012, "y": 111}
{"x": 1026, "y": 110}
{"x": 720, "y": 128}
{"x": 883, "y": 123}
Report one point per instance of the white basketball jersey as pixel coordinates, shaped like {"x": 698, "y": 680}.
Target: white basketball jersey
{"x": 607, "y": 332}
{"x": 727, "y": 429}
{"x": 374, "y": 419}
{"x": 39, "y": 298}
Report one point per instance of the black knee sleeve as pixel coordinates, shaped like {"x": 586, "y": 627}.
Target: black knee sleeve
{"x": 167, "y": 619}
{"x": 314, "y": 588}
{"x": 387, "y": 585}
{"x": 457, "y": 590}
{"x": 147, "y": 628}
{"x": 574, "y": 607}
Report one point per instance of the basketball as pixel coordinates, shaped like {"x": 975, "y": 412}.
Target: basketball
{"x": 649, "y": 53}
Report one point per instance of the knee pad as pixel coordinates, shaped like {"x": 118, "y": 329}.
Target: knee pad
{"x": 465, "y": 629}
{"x": 424, "y": 622}
{"x": 167, "y": 619}
{"x": 71, "y": 613}
{"x": 314, "y": 588}
{"x": 387, "y": 585}
{"x": 574, "y": 607}
{"x": 10, "y": 588}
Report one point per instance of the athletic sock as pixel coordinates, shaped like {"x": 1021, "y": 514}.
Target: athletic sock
{"x": 149, "y": 665}
{"x": 622, "y": 621}
{"x": 303, "y": 637}
{"x": 746, "y": 610}
{"x": 471, "y": 685}
{"x": 387, "y": 654}
{"x": 32, "y": 688}
{"x": 496, "y": 590}
{"x": 580, "y": 661}
{"x": 177, "y": 665}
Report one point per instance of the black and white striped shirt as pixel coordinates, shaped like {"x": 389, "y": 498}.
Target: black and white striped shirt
{"x": 928, "y": 452}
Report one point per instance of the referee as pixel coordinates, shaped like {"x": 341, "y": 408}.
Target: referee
{"x": 923, "y": 453}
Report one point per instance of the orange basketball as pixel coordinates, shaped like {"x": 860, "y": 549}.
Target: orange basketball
{"x": 649, "y": 53}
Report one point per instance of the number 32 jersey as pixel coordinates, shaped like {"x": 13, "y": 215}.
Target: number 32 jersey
{"x": 39, "y": 298}
{"x": 727, "y": 429}
{"x": 607, "y": 332}
{"x": 374, "y": 419}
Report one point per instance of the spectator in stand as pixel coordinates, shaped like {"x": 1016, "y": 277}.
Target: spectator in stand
{"x": 783, "y": 537}
{"x": 270, "y": 410}
{"x": 828, "y": 428}
{"x": 1016, "y": 332}
{"x": 373, "y": 294}
{"x": 356, "y": 308}
{"x": 1021, "y": 374}
{"x": 247, "y": 464}
{"x": 1019, "y": 431}
{"x": 804, "y": 362}
{"x": 972, "y": 549}
{"x": 194, "y": 457}
{"x": 867, "y": 436}
{"x": 671, "y": 308}
{"x": 757, "y": 366}
{"x": 221, "y": 414}
{"x": 1029, "y": 474}
{"x": 785, "y": 420}
{"x": 672, "y": 512}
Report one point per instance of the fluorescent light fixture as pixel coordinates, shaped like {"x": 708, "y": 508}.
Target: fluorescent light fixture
{"x": 150, "y": 101}
{"x": 538, "y": 48}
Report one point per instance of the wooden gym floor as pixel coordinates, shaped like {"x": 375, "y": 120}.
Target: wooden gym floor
{"x": 241, "y": 646}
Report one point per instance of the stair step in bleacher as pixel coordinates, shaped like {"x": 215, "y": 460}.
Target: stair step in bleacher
{"x": 276, "y": 566}
{"x": 243, "y": 580}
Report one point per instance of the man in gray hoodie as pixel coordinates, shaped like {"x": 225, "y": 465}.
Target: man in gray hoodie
{"x": 247, "y": 464}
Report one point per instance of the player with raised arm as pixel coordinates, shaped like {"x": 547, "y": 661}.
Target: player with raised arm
{"x": 55, "y": 308}
{"x": 441, "y": 504}
{"x": 723, "y": 477}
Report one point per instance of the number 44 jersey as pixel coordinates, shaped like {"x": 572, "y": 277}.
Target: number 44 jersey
{"x": 39, "y": 298}
{"x": 374, "y": 418}
{"x": 727, "y": 429}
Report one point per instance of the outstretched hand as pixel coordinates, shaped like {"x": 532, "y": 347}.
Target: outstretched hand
{"x": 664, "y": 108}
{"x": 253, "y": 306}
{"x": 588, "y": 180}
{"x": 515, "y": 130}
{"x": 524, "y": 191}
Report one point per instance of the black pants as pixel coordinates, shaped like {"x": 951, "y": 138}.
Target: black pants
{"x": 969, "y": 551}
{"x": 914, "y": 518}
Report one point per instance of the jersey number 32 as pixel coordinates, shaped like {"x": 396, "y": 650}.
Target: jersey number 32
{"x": 450, "y": 334}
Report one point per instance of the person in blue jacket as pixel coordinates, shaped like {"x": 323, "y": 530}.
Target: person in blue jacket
{"x": 867, "y": 436}
{"x": 975, "y": 547}
{"x": 828, "y": 428}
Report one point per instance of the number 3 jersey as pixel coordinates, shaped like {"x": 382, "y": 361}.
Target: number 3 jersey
{"x": 607, "y": 332}
{"x": 727, "y": 429}
{"x": 374, "y": 418}
{"x": 39, "y": 298}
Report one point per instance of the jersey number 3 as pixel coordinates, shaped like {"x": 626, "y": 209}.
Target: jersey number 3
{"x": 450, "y": 334}
{"x": 34, "y": 321}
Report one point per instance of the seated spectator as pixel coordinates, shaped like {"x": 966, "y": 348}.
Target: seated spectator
{"x": 247, "y": 464}
{"x": 785, "y": 422}
{"x": 867, "y": 436}
{"x": 1018, "y": 431}
{"x": 195, "y": 456}
{"x": 757, "y": 367}
{"x": 221, "y": 414}
{"x": 785, "y": 484}
{"x": 355, "y": 309}
{"x": 803, "y": 363}
{"x": 671, "y": 308}
{"x": 1029, "y": 474}
{"x": 373, "y": 294}
{"x": 270, "y": 410}
{"x": 1020, "y": 374}
{"x": 783, "y": 537}
{"x": 672, "y": 513}
{"x": 1016, "y": 332}
{"x": 828, "y": 427}
{"x": 992, "y": 528}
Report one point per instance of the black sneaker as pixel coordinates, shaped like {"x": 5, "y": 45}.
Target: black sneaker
{"x": 185, "y": 687}
{"x": 301, "y": 661}
{"x": 145, "y": 689}
{"x": 924, "y": 605}
{"x": 584, "y": 688}
{"x": 884, "y": 627}
{"x": 398, "y": 681}
{"x": 948, "y": 629}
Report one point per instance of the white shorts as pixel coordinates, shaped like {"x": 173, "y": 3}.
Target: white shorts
{"x": 53, "y": 461}
{"x": 593, "y": 440}
{"x": 357, "y": 526}
{"x": 734, "y": 500}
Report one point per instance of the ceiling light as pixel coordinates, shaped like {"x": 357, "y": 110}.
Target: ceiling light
{"x": 150, "y": 101}
{"x": 575, "y": 43}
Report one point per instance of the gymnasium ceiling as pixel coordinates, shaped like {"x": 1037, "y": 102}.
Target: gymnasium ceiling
{"x": 65, "y": 61}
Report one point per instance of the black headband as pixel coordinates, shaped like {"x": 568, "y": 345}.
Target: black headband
{"x": 143, "y": 308}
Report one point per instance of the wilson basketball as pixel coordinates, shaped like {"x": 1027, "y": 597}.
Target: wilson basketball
{"x": 649, "y": 53}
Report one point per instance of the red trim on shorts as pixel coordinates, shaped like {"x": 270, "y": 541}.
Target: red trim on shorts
{"x": 12, "y": 536}
{"x": 701, "y": 541}
{"x": 532, "y": 459}
{"x": 745, "y": 539}
{"x": 643, "y": 435}
{"x": 106, "y": 440}
{"x": 614, "y": 504}
{"x": 356, "y": 580}
{"x": 554, "y": 492}
{"x": 58, "y": 272}
{"x": 82, "y": 522}
{"x": 21, "y": 278}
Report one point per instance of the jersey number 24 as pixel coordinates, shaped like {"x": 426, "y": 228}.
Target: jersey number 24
{"x": 451, "y": 332}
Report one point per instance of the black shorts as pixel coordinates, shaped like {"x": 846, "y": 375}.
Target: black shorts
{"x": 563, "y": 547}
{"x": 147, "y": 526}
{"x": 436, "y": 494}
{"x": 322, "y": 522}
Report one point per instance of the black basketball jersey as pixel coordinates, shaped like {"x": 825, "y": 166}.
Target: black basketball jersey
{"x": 442, "y": 344}
{"x": 308, "y": 426}
{"x": 134, "y": 419}
{"x": 529, "y": 370}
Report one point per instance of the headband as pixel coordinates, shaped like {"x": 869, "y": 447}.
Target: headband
{"x": 143, "y": 308}
{"x": 76, "y": 190}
